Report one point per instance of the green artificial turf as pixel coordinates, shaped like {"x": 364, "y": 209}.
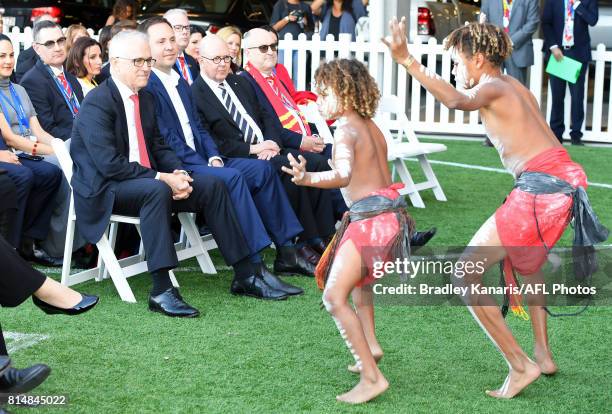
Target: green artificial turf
{"x": 244, "y": 355}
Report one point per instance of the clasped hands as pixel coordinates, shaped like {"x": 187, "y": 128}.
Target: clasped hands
{"x": 179, "y": 182}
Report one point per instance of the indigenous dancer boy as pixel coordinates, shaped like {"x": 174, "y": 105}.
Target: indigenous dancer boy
{"x": 377, "y": 226}
{"x": 548, "y": 184}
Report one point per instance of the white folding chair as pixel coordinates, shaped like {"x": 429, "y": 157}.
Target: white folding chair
{"x": 311, "y": 112}
{"x": 400, "y": 150}
{"x": 120, "y": 270}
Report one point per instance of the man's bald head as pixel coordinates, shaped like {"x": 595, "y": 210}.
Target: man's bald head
{"x": 258, "y": 45}
{"x": 213, "y": 48}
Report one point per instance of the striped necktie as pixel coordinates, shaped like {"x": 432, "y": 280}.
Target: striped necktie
{"x": 247, "y": 131}
{"x": 69, "y": 93}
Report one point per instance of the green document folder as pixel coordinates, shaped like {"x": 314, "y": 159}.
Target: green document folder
{"x": 568, "y": 69}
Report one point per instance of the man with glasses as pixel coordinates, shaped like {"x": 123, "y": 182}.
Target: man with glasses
{"x": 55, "y": 94}
{"x": 254, "y": 186}
{"x": 185, "y": 65}
{"x": 229, "y": 109}
{"x": 123, "y": 166}
{"x": 28, "y": 58}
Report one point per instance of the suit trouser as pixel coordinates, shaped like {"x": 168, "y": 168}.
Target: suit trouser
{"x": 517, "y": 72}
{"x": 55, "y": 241}
{"x": 151, "y": 200}
{"x": 260, "y": 200}
{"x": 8, "y": 205}
{"x": 18, "y": 280}
{"x": 37, "y": 183}
{"x": 557, "y": 115}
{"x": 312, "y": 206}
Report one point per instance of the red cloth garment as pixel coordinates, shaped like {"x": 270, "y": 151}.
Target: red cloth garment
{"x": 142, "y": 146}
{"x": 373, "y": 237}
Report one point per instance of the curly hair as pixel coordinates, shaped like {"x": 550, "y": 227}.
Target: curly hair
{"x": 352, "y": 83}
{"x": 485, "y": 38}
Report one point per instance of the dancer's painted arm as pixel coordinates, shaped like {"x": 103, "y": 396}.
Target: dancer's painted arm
{"x": 340, "y": 174}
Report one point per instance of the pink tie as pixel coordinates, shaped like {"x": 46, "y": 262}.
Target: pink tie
{"x": 142, "y": 146}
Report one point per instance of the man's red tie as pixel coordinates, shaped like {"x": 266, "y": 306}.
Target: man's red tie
{"x": 184, "y": 69}
{"x": 68, "y": 91}
{"x": 142, "y": 146}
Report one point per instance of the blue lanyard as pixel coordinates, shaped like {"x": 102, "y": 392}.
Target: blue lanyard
{"x": 71, "y": 101}
{"x": 178, "y": 66}
{"x": 24, "y": 122}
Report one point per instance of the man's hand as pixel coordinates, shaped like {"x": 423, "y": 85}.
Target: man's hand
{"x": 397, "y": 42}
{"x": 297, "y": 170}
{"x": 557, "y": 53}
{"x": 312, "y": 144}
{"x": 265, "y": 145}
{"x": 9, "y": 157}
{"x": 216, "y": 163}
{"x": 267, "y": 155}
{"x": 292, "y": 18}
{"x": 178, "y": 181}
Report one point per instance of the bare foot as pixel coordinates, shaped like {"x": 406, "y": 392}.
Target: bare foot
{"x": 543, "y": 358}
{"x": 365, "y": 391}
{"x": 377, "y": 357}
{"x": 515, "y": 382}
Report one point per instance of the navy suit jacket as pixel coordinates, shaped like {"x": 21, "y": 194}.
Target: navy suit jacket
{"x": 25, "y": 61}
{"x": 553, "y": 21}
{"x": 289, "y": 138}
{"x": 52, "y": 110}
{"x": 100, "y": 151}
{"x": 217, "y": 120}
{"x": 170, "y": 125}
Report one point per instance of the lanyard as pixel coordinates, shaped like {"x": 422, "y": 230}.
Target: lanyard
{"x": 71, "y": 101}
{"x": 24, "y": 122}
{"x": 178, "y": 65}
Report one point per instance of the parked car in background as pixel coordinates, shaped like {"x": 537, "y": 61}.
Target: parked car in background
{"x": 91, "y": 14}
{"x": 213, "y": 14}
{"x": 437, "y": 18}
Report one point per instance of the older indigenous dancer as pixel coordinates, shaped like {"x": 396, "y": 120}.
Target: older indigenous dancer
{"x": 549, "y": 189}
{"x": 377, "y": 224}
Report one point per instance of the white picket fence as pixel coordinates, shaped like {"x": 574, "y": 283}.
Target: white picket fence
{"x": 425, "y": 113}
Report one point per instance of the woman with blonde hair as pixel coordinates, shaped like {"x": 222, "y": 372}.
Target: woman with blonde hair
{"x": 233, "y": 37}
{"x": 73, "y": 32}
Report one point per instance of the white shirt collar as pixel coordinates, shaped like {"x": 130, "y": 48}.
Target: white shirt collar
{"x": 124, "y": 90}
{"x": 170, "y": 79}
{"x": 56, "y": 71}
{"x": 214, "y": 85}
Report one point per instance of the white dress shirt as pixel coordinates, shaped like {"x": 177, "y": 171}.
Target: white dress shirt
{"x": 128, "y": 104}
{"x": 214, "y": 85}
{"x": 170, "y": 82}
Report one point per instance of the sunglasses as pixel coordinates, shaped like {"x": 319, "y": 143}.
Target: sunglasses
{"x": 217, "y": 59}
{"x": 139, "y": 62}
{"x": 49, "y": 44}
{"x": 264, "y": 48}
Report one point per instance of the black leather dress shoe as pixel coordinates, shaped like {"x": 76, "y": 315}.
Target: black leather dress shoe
{"x": 20, "y": 381}
{"x": 291, "y": 261}
{"x": 277, "y": 283}
{"x": 319, "y": 247}
{"x": 255, "y": 287}
{"x": 42, "y": 258}
{"x": 5, "y": 364}
{"x": 86, "y": 304}
{"x": 420, "y": 238}
{"x": 170, "y": 303}
{"x": 577, "y": 142}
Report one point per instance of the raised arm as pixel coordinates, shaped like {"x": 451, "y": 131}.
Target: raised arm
{"x": 479, "y": 96}
{"x": 340, "y": 174}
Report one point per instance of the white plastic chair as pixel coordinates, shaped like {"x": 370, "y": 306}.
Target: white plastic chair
{"x": 400, "y": 150}
{"x": 120, "y": 270}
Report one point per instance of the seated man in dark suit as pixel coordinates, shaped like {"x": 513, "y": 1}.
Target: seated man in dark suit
{"x": 185, "y": 65}
{"x": 122, "y": 165}
{"x": 254, "y": 186}
{"x": 55, "y": 94}
{"x": 229, "y": 109}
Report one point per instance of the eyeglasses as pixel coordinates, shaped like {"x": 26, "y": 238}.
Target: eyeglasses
{"x": 264, "y": 48}
{"x": 49, "y": 44}
{"x": 217, "y": 59}
{"x": 180, "y": 28}
{"x": 139, "y": 62}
